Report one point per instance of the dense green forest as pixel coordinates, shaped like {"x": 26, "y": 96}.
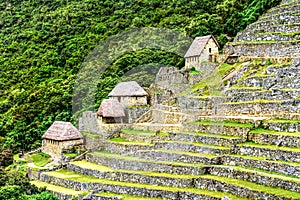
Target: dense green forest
{"x": 44, "y": 42}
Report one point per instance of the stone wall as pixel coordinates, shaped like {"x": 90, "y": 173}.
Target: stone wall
{"x": 144, "y": 165}
{"x": 275, "y": 139}
{"x": 54, "y": 148}
{"x": 283, "y": 127}
{"x": 132, "y": 114}
{"x": 90, "y": 123}
{"x": 131, "y": 101}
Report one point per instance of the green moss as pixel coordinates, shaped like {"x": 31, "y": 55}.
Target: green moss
{"x": 71, "y": 155}
{"x": 256, "y": 187}
{"x": 224, "y": 123}
{"x": 91, "y": 135}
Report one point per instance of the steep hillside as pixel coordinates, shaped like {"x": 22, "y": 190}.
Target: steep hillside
{"x": 43, "y": 44}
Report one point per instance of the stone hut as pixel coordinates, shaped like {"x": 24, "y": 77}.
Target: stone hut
{"x": 129, "y": 94}
{"x": 203, "y": 49}
{"x": 111, "y": 111}
{"x": 60, "y": 135}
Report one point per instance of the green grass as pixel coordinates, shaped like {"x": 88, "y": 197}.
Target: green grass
{"x": 267, "y": 159}
{"x": 67, "y": 175}
{"x": 256, "y": 187}
{"x": 262, "y": 172}
{"x": 40, "y": 159}
{"x": 137, "y": 159}
{"x": 143, "y": 132}
{"x": 260, "y": 130}
{"x": 283, "y": 121}
{"x": 59, "y": 189}
{"x": 124, "y": 196}
{"x": 224, "y": 123}
{"x": 257, "y": 101}
{"x": 71, "y": 155}
{"x": 212, "y": 135}
{"x": 184, "y": 153}
{"x": 121, "y": 140}
{"x": 197, "y": 144}
{"x": 90, "y": 135}
{"x": 272, "y": 147}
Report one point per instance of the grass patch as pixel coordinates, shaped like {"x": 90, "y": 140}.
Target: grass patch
{"x": 91, "y": 135}
{"x": 257, "y": 101}
{"x": 272, "y": 147}
{"x": 121, "y": 140}
{"x": 260, "y": 130}
{"x": 71, "y": 155}
{"x": 59, "y": 189}
{"x": 257, "y": 187}
{"x": 224, "y": 123}
{"x": 143, "y": 132}
{"x": 283, "y": 121}
{"x": 137, "y": 159}
{"x": 197, "y": 144}
{"x": 183, "y": 153}
{"x": 125, "y": 196}
{"x": 40, "y": 159}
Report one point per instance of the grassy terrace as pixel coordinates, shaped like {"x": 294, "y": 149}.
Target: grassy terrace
{"x": 266, "y": 159}
{"x": 283, "y": 121}
{"x": 58, "y": 188}
{"x": 67, "y": 175}
{"x": 137, "y": 159}
{"x": 143, "y": 132}
{"x": 121, "y": 140}
{"x": 271, "y": 132}
{"x": 261, "y": 172}
{"x": 182, "y": 153}
{"x": 124, "y": 196}
{"x": 256, "y": 187}
{"x": 257, "y": 101}
{"x": 196, "y": 144}
{"x": 271, "y": 147}
{"x": 224, "y": 123}
{"x": 214, "y": 135}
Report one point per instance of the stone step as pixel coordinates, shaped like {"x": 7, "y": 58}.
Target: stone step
{"x": 257, "y": 176}
{"x": 222, "y": 127}
{"x": 264, "y": 163}
{"x": 195, "y": 147}
{"x": 143, "y": 135}
{"x": 264, "y": 36}
{"x": 272, "y": 94}
{"x": 287, "y": 17}
{"x": 114, "y": 196}
{"x": 242, "y": 188}
{"x": 82, "y": 182}
{"x": 179, "y": 156}
{"x": 284, "y": 28}
{"x": 271, "y": 137}
{"x": 274, "y": 152}
{"x": 239, "y": 119}
{"x": 59, "y": 191}
{"x": 283, "y": 125}
{"x": 126, "y": 147}
{"x": 124, "y": 162}
{"x": 262, "y": 107}
{"x": 208, "y": 138}
{"x": 202, "y": 181}
{"x": 154, "y": 127}
{"x": 292, "y": 6}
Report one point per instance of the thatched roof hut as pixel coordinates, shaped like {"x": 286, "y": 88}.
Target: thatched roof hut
{"x": 198, "y": 46}
{"x": 62, "y": 131}
{"x": 128, "y": 89}
{"x": 111, "y": 108}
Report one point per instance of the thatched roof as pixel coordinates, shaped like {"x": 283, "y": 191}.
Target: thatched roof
{"x": 111, "y": 108}
{"x": 128, "y": 89}
{"x": 198, "y": 46}
{"x": 62, "y": 131}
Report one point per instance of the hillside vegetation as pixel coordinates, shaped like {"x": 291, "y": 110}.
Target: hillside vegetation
{"x": 43, "y": 43}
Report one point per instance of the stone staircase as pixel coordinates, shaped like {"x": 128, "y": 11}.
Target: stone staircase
{"x": 240, "y": 158}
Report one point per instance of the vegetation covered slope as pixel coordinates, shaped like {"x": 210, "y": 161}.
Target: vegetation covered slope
{"x": 43, "y": 43}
